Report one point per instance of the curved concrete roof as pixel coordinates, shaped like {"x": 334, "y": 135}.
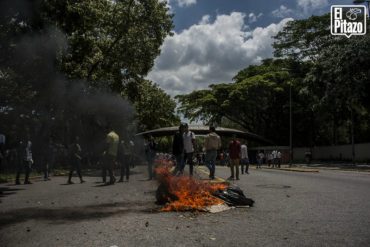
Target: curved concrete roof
{"x": 203, "y": 130}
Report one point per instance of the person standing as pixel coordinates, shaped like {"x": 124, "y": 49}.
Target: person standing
{"x": 75, "y": 157}
{"x": 132, "y": 153}
{"x": 110, "y": 154}
{"x": 150, "y": 151}
{"x": 244, "y": 158}
{"x": 25, "y": 160}
{"x": 211, "y": 145}
{"x": 261, "y": 156}
{"x": 189, "y": 143}
{"x": 278, "y": 155}
{"x": 124, "y": 158}
{"x": 2, "y": 150}
{"x": 269, "y": 159}
{"x": 47, "y": 158}
{"x": 178, "y": 149}
{"x": 234, "y": 152}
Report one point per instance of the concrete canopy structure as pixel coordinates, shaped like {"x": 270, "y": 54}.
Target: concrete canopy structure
{"x": 203, "y": 130}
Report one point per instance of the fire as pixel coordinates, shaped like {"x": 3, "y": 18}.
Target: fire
{"x": 190, "y": 193}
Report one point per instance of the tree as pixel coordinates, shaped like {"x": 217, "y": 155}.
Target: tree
{"x": 337, "y": 80}
{"x": 257, "y": 101}
{"x": 302, "y": 40}
{"x": 343, "y": 70}
{"x": 154, "y": 108}
{"x": 66, "y": 67}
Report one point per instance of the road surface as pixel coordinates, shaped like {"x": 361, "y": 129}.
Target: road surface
{"x": 329, "y": 208}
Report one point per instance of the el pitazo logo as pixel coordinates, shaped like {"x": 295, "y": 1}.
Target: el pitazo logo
{"x": 348, "y": 20}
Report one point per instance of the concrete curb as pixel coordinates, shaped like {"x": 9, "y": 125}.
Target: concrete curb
{"x": 294, "y": 169}
{"x": 297, "y": 169}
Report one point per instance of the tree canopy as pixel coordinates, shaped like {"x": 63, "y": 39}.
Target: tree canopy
{"x": 69, "y": 64}
{"x": 329, "y": 79}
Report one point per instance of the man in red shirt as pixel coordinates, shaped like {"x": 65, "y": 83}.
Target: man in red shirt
{"x": 234, "y": 152}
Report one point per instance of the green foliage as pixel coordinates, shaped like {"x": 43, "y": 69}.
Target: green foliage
{"x": 110, "y": 45}
{"x": 303, "y": 39}
{"x": 154, "y": 107}
{"x": 256, "y": 101}
{"x": 329, "y": 77}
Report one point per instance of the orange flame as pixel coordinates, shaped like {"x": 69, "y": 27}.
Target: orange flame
{"x": 192, "y": 194}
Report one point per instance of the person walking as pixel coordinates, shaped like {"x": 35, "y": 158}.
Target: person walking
{"x": 25, "y": 160}
{"x": 189, "y": 143}
{"x": 75, "y": 157}
{"x": 124, "y": 160}
{"x": 234, "y": 152}
{"x": 211, "y": 145}
{"x": 261, "y": 156}
{"x": 274, "y": 159}
{"x": 278, "y": 156}
{"x": 269, "y": 159}
{"x": 244, "y": 158}
{"x": 47, "y": 158}
{"x": 110, "y": 154}
{"x": 178, "y": 149}
{"x": 150, "y": 150}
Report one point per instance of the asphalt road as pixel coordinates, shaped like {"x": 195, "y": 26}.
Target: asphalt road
{"x": 329, "y": 208}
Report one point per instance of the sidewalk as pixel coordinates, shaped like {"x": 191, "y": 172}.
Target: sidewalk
{"x": 316, "y": 167}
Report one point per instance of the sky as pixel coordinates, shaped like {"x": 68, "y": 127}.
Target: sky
{"x": 214, "y": 39}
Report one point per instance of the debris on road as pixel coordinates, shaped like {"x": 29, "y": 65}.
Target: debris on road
{"x": 218, "y": 208}
{"x": 234, "y": 196}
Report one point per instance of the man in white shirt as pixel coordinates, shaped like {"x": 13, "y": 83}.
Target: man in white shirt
{"x": 274, "y": 158}
{"x": 244, "y": 158}
{"x": 278, "y": 155}
{"x": 260, "y": 158}
{"x": 189, "y": 142}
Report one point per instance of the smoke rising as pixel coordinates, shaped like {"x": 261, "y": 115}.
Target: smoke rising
{"x": 52, "y": 105}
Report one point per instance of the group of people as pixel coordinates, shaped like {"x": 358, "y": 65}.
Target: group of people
{"x": 273, "y": 159}
{"x": 183, "y": 149}
{"x": 116, "y": 152}
{"x": 120, "y": 152}
{"x": 238, "y": 156}
{"x": 18, "y": 153}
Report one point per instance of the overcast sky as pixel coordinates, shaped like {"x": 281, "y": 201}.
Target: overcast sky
{"x": 214, "y": 39}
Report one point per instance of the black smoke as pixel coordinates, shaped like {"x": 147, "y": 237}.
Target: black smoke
{"x": 38, "y": 99}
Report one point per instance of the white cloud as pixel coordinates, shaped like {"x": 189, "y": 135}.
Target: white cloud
{"x": 180, "y": 3}
{"x": 205, "y": 20}
{"x": 282, "y": 12}
{"x": 207, "y": 53}
{"x": 309, "y": 5}
{"x": 252, "y": 17}
{"x": 185, "y": 3}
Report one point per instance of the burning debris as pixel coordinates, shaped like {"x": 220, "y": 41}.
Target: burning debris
{"x": 183, "y": 193}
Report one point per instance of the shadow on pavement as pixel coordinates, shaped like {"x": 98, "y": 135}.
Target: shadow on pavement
{"x": 74, "y": 214}
{"x": 6, "y": 191}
